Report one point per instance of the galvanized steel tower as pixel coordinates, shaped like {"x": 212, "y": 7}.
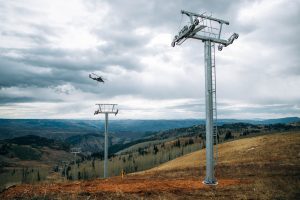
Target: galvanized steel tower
{"x": 207, "y": 29}
{"x": 106, "y": 109}
{"x": 75, "y": 151}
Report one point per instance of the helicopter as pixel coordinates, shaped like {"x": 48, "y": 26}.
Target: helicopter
{"x": 96, "y": 78}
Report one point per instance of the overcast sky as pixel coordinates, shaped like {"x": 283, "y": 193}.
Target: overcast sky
{"x": 49, "y": 47}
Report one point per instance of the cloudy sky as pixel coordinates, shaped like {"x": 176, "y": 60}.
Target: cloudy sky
{"x": 49, "y": 47}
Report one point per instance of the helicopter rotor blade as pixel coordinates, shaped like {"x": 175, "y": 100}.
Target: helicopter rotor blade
{"x": 95, "y": 74}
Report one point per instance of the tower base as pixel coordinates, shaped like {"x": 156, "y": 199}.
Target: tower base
{"x": 214, "y": 182}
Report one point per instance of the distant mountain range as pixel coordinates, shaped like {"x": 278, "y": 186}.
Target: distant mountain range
{"x": 285, "y": 120}
{"x": 125, "y": 130}
{"x": 62, "y": 129}
{"x": 41, "y": 140}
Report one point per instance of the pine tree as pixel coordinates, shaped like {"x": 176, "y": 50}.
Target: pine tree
{"x": 93, "y": 163}
{"x": 79, "y": 176}
{"x": 38, "y": 176}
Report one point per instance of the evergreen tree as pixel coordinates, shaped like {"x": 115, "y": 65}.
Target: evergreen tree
{"x": 93, "y": 163}
{"x": 79, "y": 176}
{"x": 38, "y": 176}
{"x": 228, "y": 135}
{"x": 155, "y": 149}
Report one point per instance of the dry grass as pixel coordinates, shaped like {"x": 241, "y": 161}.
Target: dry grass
{"x": 264, "y": 167}
{"x": 279, "y": 147}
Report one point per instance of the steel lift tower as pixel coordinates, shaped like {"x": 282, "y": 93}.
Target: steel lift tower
{"x": 207, "y": 29}
{"x": 75, "y": 151}
{"x": 106, "y": 109}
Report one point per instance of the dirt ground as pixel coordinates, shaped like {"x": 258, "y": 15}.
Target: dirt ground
{"x": 264, "y": 167}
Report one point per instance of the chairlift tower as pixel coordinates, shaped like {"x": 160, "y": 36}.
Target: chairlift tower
{"x": 207, "y": 29}
{"x": 75, "y": 151}
{"x": 106, "y": 109}
{"x": 64, "y": 165}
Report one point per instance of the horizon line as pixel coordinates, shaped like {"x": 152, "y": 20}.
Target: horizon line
{"x": 88, "y": 119}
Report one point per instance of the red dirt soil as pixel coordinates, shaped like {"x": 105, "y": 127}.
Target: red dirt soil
{"x": 137, "y": 184}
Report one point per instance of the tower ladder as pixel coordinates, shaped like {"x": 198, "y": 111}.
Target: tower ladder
{"x": 214, "y": 95}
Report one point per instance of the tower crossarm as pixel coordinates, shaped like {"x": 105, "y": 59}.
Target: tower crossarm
{"x": 216, "y": 40}
{"x": 191, "y": 14}
{"x": 106, "y": 108}
{"x": 205, "y": 28}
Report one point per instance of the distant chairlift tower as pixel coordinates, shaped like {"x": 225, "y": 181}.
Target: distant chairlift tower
{"x": 207, "y": 29}
{"x": 65, "y": 164}
{"x": 106, "y": 109}
{"x": 75, "y": 151}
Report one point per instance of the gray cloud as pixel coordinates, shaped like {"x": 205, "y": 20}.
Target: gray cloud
{"x": 54, "y": 50}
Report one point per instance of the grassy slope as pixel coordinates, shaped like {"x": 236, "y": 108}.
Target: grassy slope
{"x": 264, "y": 167}
{"x": 278, "y": 148}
